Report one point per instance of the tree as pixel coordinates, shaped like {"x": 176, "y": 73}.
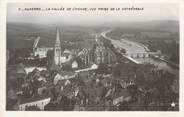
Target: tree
{"x": 64, "y": 103}
{"x": 50, "y": 107}
{"x": 133, "y": 89}
{"x": 102, "y": 69}
{"x": 163, "y": 83}
{"x": 117, "y": 70}
{"x": 124, "y": 106}
{"x": 67, "y": 68}
{"x": 11, "y": 99}
{"x": 175, "y": 57}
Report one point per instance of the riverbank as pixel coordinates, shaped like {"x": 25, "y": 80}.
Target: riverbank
{"x": 134, "y": 47}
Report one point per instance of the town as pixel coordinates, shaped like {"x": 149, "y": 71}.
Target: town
{"x": 97, "y": 78}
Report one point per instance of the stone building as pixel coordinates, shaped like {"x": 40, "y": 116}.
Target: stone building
{"x": 41, "y": 52}
{"x": 60, "y": 56}
{"x": 99, "y": 54}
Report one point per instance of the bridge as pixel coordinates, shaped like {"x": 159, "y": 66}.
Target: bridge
{"x": 132, "y": 56}
{"x": 143, "y": 54}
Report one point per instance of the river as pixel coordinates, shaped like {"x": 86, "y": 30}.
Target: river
{"x": 134, "y": 47}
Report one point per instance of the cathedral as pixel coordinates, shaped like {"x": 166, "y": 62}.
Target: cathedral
{"x": 102, "y": 53}
{"x": 99, "y": 54}
{"x": 60, "y": 56}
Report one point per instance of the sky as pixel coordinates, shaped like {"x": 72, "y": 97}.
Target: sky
{"x": 150, "y": 12}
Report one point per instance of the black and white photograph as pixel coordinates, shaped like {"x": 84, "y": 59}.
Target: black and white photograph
{"x": 92, "y": 57}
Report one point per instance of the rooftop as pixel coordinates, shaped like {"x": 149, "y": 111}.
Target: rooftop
{"x": 124, "y": 93}
{"x": 33, "y": 99}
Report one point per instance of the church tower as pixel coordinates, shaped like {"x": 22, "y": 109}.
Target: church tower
{"x": 100, "y": 48}
{"x": 57, "y": 49}
{"x": 98, "y": 51}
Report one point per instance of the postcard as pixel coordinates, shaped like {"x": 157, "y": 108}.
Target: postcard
{"x": 92, "y": 56}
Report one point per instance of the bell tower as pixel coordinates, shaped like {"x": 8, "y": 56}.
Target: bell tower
{"x": 57, "y": 48}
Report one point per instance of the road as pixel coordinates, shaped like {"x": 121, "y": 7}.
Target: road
{"x": 36, "y": 42}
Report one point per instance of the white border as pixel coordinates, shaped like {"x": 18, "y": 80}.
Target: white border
{"x": 4, "y": 113}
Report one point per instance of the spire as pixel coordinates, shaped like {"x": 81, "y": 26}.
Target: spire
{"x": 96, "y": 38}
{"x": 57, "y": 36}
{"x": 57, "y": 48}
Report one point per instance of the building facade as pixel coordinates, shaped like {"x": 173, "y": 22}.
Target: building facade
{"x": 41, "y": 52}
{"x": 40, "y": 103}
{"x": 99, "y": 54}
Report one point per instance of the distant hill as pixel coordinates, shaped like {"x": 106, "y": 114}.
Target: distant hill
{"x": 19, "y": 35}
{"x": 156, "y": 25}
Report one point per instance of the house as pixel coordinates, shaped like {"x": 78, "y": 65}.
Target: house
{"x": 57, "y": 78}
{"x": 63, "y": 75}
{"x": 68, "y": 91}
{"x": 94, "y": 66}
{"x": 39, "y": 101}
{"x": 40, "y": 90}
{"x": 67, "y": 82}
{"x": 124, "y": 95}
{"x": 75, "y": 64}
{"x": 65, "y": 57}
{"x": 68, "y": 74}
{"x": 30, "y": 69}
{"x": 125, "y": 84}
{"x": 41, "y": 52}
{"x": 41, "y": 78}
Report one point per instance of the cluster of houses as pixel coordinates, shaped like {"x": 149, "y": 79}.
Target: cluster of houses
{"x": 39, "y": 87}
